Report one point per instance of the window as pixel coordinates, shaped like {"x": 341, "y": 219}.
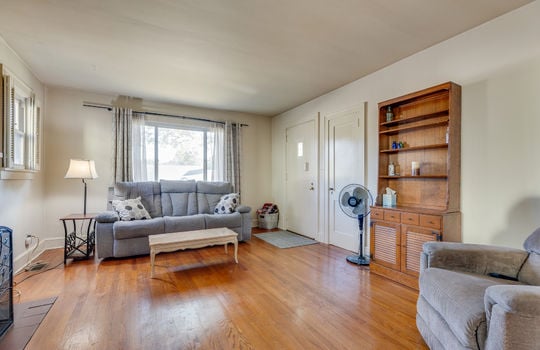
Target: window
{"x": 178, "y": 152}
{"x": 22, "y": 121}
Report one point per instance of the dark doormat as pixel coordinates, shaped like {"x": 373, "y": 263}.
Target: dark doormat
{"x": 27, "y": 318}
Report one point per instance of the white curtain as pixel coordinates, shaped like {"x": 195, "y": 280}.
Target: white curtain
{"x": 138, "y": 144}
{"x": 122, "y": 127}
{"x": 218, "y": 153}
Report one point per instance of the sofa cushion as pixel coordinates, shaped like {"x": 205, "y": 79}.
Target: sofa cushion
{"x": 209, "y": 194}
{"x": 141, "y": 228}
{"x": 149, "y": 191}
{"x": 227, "y": 204}
{"x": 231, "y": 221}
{"x": 459, "y": 298}
{"x": 532, "y": 243}
{"x": 178, "y": 198}
{"x": 530, "y": 271}
{"x": 130, "y": 209}
{"x": 183, "y": 223}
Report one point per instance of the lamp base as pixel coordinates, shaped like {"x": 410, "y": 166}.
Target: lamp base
{"x": 358, "y": 260}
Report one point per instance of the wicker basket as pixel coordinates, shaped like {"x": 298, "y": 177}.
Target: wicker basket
{"x": 268, "y": 221}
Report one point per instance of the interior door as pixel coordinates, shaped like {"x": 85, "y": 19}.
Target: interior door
{"x": 301, "y": 206}
{"x": 345, "y": 146}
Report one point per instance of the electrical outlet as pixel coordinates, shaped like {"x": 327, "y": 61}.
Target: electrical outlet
{"x": 28, "y": 241}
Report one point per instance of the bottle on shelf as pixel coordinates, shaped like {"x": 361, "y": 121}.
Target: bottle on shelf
{"x": 391, "y": 169}
{"x": 389, "y": 114}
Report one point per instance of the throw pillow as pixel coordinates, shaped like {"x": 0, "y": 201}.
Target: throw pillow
{"x": 227, "y": 204}
{"x": 130, "y": 209}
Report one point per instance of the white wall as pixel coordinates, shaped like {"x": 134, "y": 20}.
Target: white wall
{"x": 74, "y": 131}
{"x": 498, "y": 66}
{"x": 21, "y": 201}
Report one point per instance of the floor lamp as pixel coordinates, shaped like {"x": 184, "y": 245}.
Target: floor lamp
{"x": 81, "y": 169}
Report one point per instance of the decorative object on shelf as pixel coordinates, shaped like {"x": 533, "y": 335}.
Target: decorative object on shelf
{"x": 400, "y": 145}
{"x": 356, "y": 201}
{"x": 389, "y": 198}
{"x": 391, "y": 169}
{"x": 415, "y": 168}
{"x": 394, "y": 145}
{"x": 389, "y": 114}
{"x": 82, "y": 169}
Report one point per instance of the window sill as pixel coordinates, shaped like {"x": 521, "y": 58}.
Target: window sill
{"x": 14, "y": 174}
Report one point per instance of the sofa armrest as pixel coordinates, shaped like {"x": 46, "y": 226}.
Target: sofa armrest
{"x": 107, "y": 217}
{"x": 243, "y": 209}
{"x": 513, "y": 316}
{"x": 474, "y": 258}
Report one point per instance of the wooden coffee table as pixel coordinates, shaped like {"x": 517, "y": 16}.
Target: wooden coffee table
{"x": 170, "y": 242}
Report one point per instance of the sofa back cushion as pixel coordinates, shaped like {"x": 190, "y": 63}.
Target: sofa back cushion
{"x": 178, "y": 198}
{"x": 149, "y": 191}
{"x": 209, "y": 194}
{"x": 530, "y": 271}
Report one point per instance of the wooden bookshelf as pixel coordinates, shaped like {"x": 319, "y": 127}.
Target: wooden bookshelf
{"x": 427, "y": 123}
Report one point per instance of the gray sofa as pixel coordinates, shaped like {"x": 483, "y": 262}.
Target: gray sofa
{"x": 480, "y": 297}
{"x": 174, "y": 206}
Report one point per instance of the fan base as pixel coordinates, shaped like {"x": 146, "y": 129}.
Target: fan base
{"x": 358, "y": 259}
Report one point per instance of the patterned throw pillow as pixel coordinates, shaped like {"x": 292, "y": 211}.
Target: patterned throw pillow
{"x": 227, "y": 203}
{"x": 130, "y": 209}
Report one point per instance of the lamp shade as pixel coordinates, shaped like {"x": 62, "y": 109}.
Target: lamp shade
{"x": 81, "y": 169}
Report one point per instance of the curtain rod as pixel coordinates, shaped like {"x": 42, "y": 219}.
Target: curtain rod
{"x": 110, "y": 108}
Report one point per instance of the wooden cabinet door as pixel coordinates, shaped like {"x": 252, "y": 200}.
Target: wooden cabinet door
{"x": 385, "y": 244}
{"x": 412, "y": 240}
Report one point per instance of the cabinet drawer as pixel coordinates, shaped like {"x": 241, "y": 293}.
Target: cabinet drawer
{"x": 409, "y": 218}
{"x": 377, "y": 214}
{"x": 393, "y": 216}
{"x": 430, "y": 221}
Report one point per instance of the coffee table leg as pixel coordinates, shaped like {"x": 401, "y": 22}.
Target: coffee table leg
{"x": 236, "y": 250}
{"x": 152, "y": 258}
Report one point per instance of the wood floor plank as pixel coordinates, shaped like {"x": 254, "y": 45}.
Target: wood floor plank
{"x": 307, "y": 297}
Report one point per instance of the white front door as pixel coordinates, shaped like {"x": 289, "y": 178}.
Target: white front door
{"x": 346, "y": 165}
{"x": 301, "y": 179}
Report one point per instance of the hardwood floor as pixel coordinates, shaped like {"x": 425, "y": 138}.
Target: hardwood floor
{"x": 300, "y": 298}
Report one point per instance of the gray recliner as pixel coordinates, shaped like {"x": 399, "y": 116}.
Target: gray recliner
{"x": 479, "y": 296}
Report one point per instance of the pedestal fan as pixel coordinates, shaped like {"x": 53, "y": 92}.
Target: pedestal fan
{"x": 355, "y": 201}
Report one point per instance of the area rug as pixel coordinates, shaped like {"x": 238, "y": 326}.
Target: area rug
{"x": 285, "y": 239}
{"x": 27, "y": 318}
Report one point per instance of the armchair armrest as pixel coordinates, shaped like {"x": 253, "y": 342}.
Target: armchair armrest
{"x": 475, "y": 258}
{"x": 513, "y": 316}
{"x": 243, "y": 209}
{"x": 107, "y": 217}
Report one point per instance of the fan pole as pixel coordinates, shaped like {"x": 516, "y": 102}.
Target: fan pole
{"x": 360, "y": 259}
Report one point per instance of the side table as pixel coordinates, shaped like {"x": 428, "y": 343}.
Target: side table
{"x": 79, "y": 244}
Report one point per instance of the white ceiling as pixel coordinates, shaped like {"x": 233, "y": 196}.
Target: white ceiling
{"x": 253, "y": 56}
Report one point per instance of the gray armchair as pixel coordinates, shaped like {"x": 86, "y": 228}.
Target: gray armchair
{"x": 480, "y": 297}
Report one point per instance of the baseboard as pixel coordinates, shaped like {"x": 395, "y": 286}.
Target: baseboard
{"x": 20, "y": 261}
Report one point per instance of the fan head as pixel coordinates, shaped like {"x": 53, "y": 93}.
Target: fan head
{"x": 355, "y": 200}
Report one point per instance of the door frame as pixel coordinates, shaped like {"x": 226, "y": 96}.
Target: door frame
{"x": 325, "y": 192}
{"x": 316, "y": 149}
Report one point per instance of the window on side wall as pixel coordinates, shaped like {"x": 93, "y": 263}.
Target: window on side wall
{"x": 20, "y": 139}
